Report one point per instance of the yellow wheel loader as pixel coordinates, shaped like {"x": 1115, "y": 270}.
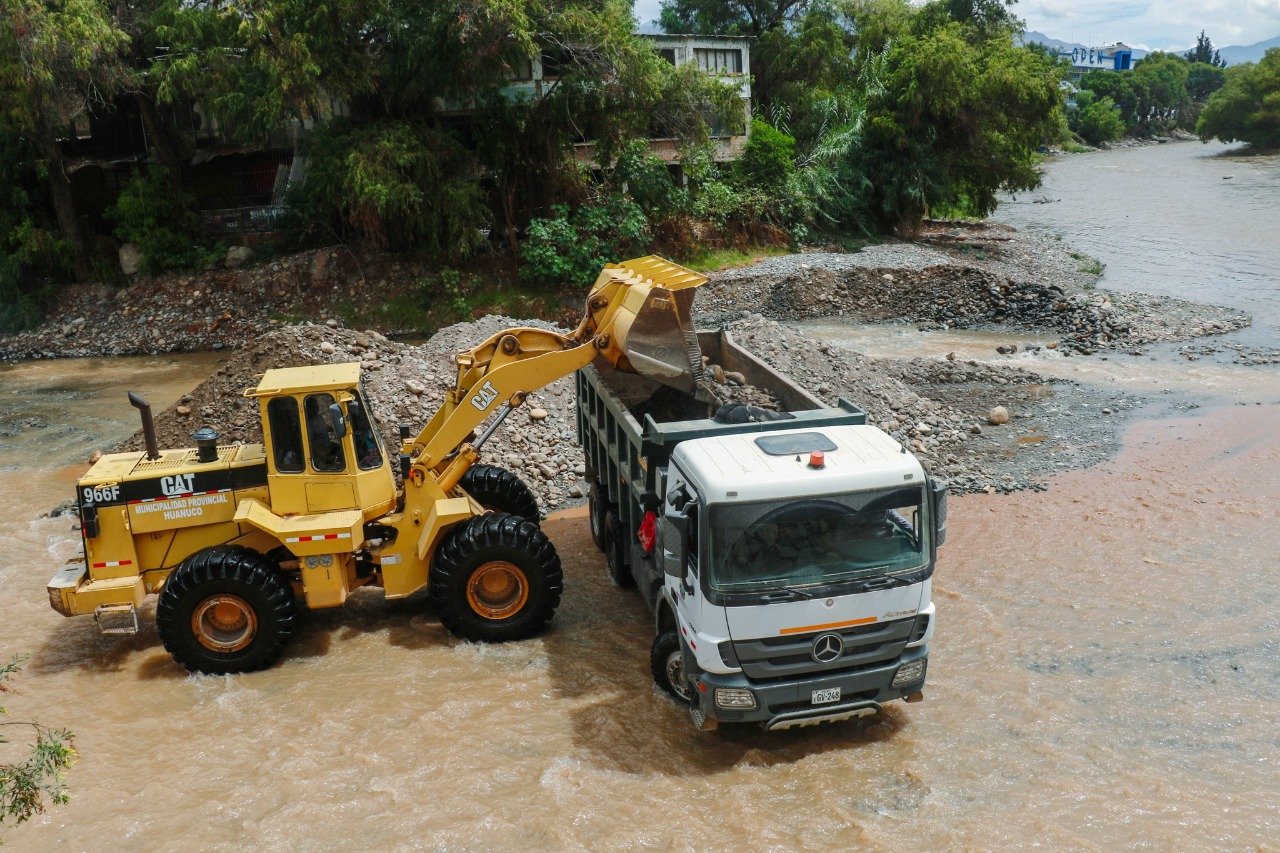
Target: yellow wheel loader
{"x": 233, "y": 538}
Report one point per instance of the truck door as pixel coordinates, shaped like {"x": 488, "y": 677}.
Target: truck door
{"x": 680, "y": 539}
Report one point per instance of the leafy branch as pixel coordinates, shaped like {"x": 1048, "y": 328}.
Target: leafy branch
{"x": 26, "y": 787}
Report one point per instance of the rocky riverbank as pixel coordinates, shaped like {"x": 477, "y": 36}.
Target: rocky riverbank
{"x": 986, "y": 428}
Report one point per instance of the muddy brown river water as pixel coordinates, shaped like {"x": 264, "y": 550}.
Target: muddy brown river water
{"x": 1105, "y": 674}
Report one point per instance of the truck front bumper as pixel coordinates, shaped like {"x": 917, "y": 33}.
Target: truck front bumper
{"x": 787, "y": 704}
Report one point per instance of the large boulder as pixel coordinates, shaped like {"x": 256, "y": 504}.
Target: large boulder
{"x": 237, "y": 256}
{"x": 130, "y": 259}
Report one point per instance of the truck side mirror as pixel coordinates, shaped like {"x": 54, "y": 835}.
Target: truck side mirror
{"x": 675, "y": 544}
{"x": 337, "y": 421}
{"x": 938, "y": 491}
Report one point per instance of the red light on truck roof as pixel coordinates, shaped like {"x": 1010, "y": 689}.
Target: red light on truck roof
{"x": 817, "y": 459}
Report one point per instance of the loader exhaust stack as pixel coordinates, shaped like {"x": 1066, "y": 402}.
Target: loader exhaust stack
{"x": 148, "y": 425}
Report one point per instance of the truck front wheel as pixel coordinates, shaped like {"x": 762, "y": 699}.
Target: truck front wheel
{"x": 496, "y": 577}
{"x": 666, "y": 660}
{"x": 225, "y": 609}
{"x": 500, "y": 490}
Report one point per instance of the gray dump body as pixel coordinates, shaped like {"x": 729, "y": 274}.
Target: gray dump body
{"x": 627, "y": 458}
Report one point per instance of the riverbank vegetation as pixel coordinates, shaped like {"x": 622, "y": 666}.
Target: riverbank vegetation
{"x": 1163, "y": 92}
{"x": 1247, "y": 107}
{"x": 29, "y": 785}
{"x": 867, "y": 117}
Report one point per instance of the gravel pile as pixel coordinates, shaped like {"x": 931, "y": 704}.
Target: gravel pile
{"x": 955, "y": 295}
{"x": 950, "y": 441}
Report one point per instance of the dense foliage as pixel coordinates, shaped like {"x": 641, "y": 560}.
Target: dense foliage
{"x": 1247, "y": 107}
{"x": 1162, "y": 91}
{"x": 157, "y": 218}
{"x": 424, "y": 134}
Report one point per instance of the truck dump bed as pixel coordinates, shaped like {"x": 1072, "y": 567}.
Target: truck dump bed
{"x": 624, "y": 453}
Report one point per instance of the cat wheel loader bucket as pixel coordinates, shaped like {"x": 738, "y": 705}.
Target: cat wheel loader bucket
{"x": 653, "y": 331}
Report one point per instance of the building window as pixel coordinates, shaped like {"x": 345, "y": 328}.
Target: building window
{"x": 721, "y": 61}
{"x": 522, "y": 69}
{"x": 668, "y": 53}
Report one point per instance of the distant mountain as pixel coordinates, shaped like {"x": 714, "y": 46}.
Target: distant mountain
{"x": 1236, "y": 54}
{"x": 1032, "y": 35}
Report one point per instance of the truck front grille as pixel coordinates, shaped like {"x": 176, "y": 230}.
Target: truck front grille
{"x": 780, "y": 658}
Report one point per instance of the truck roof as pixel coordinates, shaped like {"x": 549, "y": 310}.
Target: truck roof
{"x": 318, "y": 377}
{"x": 755, "y": 467}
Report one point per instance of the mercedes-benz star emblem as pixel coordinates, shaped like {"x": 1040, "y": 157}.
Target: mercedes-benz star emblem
{"x": 827, "y": 648}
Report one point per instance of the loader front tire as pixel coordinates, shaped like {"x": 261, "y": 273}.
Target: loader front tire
{"x": 495, "y": 578}
{"x": 500, "y": 490}
{"x": 225, "y": 609}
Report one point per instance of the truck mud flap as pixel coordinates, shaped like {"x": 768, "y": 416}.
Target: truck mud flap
{"x": 816, "y": 716}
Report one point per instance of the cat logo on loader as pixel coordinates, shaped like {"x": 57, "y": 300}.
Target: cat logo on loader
{"x": 234, "y": 539}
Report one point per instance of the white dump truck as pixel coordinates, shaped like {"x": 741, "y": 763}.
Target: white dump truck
{"x": 786, "y": 557}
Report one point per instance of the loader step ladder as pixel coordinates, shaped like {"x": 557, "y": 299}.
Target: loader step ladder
{"x": 116, "y": 618}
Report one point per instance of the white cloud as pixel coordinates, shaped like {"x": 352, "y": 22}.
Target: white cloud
{"x": 1162, "y": 24}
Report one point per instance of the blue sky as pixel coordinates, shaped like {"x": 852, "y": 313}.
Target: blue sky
{"x": 1152, "y": 24}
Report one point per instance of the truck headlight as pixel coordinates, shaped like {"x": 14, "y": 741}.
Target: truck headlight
{"x": 909, "y": 673}
{"x": 734, "y": 697}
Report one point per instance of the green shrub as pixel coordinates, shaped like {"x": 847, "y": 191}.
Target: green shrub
{"x": 1100, "y": 122}
{"x": 159, "y": 218}
{"x": 1247, "y": 107}
{"x": 648, "y": 181}
{"x": 769, "y": 158}
{"x": 400, "y": 186}
{"x": 572, "y": 247}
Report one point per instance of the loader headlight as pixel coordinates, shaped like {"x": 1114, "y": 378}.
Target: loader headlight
{"x": 734, "y": 697}
{"x": 909, "y": 673}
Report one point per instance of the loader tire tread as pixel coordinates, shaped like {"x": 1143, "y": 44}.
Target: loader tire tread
{"x": 484, "y": 539}
{"x": 500, "y": 490}
{"x": 227, "y": 569}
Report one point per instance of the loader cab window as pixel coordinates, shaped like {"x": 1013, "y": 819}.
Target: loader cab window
{"x": 326, "y": 445}
{"x": 286, "y": 434}
{"x": 364, "y": 434}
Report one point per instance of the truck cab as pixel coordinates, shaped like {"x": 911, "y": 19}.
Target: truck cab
{"x": 797, "y": 567}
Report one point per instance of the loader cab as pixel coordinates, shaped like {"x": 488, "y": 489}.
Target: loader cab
{"x": 324, "y": 452}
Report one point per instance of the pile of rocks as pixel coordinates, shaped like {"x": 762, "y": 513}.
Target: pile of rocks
{"x": 405, "y": 384}
{"x": 952, "y": 296}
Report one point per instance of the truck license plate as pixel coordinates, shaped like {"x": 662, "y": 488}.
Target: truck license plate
{"x": 822, "y": 697}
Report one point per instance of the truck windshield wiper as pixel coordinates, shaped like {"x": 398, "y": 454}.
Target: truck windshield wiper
{"x": 784, "y": 594}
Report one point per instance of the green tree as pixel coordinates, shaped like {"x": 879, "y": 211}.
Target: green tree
{"x": 1160, "y": 81}
{"x": 1247, "y": 107}
{"x": 1203, "y": 80}
{"x": 1100, "y": 122}
{"x": 1119, "y": 87}
{"x": 1205, "y": 53}
{"x": 58, "y": 60}
{"x": 26, "y": 786}
{"x": 948, "y": 123}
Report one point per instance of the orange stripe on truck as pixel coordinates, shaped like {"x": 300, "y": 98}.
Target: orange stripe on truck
{"x": 826, "y": 626}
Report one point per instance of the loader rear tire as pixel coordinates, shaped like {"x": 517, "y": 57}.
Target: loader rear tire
{"x": 225, "y": 609}
{"x": 495, "y": 578}
{"x": 615, "y": 543}
{"x": 501, "y": 491}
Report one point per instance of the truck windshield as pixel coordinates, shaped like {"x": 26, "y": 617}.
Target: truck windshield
{"x": 835, "y": 538}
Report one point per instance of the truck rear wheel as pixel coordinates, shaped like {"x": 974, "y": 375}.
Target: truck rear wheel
{"x": 501, "y": 491}
{"x": 225, "y": 609}
{"x": 666, "y": 661}
{"x": 614, "y": 544}
{"x": 597, "y": 506}
{"x": 496, "y": 577}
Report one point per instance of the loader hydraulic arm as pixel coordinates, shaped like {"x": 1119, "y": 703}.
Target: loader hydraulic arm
{"x": 637, "y": 317}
